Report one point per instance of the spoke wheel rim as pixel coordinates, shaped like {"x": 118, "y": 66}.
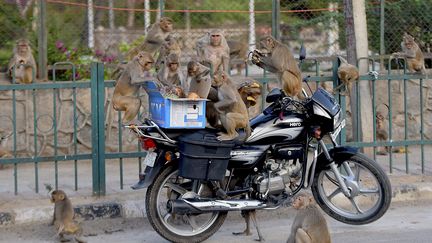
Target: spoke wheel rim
{"x": 367, "y": 195}
{"x": 184, "y": 225}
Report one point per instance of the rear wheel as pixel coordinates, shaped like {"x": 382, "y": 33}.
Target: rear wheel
{"x": 178, "y": 228}
{"x": 369, "y": 187}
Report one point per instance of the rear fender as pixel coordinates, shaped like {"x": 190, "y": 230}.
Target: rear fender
{"x": 339, "y": 155}
{"x": 150, "y": 173}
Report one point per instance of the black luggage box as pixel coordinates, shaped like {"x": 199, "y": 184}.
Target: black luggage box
{"x": 203, "y": 156}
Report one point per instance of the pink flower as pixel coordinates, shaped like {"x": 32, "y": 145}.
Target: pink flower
{"x": 98, "y": 53}
{"x": 59, "y": 44}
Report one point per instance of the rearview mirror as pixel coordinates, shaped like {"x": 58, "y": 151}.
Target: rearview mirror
{"x": 274, "y": 95}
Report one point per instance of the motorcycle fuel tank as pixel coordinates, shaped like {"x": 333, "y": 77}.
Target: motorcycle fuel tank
{"x": 277, "y": 130}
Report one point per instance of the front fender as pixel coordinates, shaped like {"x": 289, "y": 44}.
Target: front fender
{"x": 339, "y": 155}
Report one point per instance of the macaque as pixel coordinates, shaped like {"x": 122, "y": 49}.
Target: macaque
{"x": 155, "y": 37}
{"x": 412, "y": 52}
{"x": 127, "y": 85}
{"x": 381, "y": 133}
{"x": 248, "y": 215}
{"x": 63, "y": 219}
{"x": 249, "y": 91}
{"x": 3, "y": 152}
{"x": 23, "y": 61}
{"x": 170, "y": 46}
{"x": 171, "y": 77}
{"x": 200, "y": 82}
{"x": 347, "y": 73}
{"x": 309, "y": 224}
{"x": 213, "y": 51}
{"x": 275, "y": 57}
{"x": 239, "y": 51}
{"x": 232, "y": 111}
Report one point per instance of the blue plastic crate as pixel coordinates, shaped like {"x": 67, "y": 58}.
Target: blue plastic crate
{"x": 175, "y": 113}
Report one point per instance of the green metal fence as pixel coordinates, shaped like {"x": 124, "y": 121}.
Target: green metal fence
{"x": 406, "y": 125}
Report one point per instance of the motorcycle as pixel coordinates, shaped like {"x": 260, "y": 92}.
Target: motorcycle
{"x": 292, "y": 147}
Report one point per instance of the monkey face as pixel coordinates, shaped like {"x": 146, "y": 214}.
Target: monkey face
{"x": 57, "y": 195}
{"x": 192, "y": 68}
{"x": 215, "y": 39}
{"x": 173, "y": 66}
{"x": 267, "y": 44}
{"x": 145, "y": 60}
{"x": 166, "y": 24}
{"x": 250, "y": 93}
{"x": 218, "y": 79}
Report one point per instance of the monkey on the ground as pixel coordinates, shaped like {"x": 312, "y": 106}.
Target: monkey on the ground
{"x": 170, "y": 46}
{"x": 412, "y": 52}
{"x": 347, "y": 73}
{"x": 277, "y": 58}
{"x": 127, "y": 85}
{"x": 4, "y": 153}
{"x": 200, "y": 80}
{"x": 63, "y": 218}
{"x": 23, "y": 61}
{"x": 171, "y": 77}
{"x": 155, "y": 37}
{"x": 231, "y": 109}
{"x": 248, "y": 215}
{"x": 309, "y": 224}
{"x": 213, "y": 51}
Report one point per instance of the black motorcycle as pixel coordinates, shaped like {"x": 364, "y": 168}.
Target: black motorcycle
{"x": 193, "y": 180}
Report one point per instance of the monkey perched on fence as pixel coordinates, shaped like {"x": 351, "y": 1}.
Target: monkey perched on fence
{"x": 381, "y": 133}
{"x": 63, "y": 218}
{"x": 126, "y": 88}
{"x": 412, "y": 52}
{"x": 213, "y": 51}
{"x": 309, "y": 224}
{"x": 277, "y": 58}
{"x": 155, "y": 37}
{"x": 231, "y": 109}
{"x": 4, "y": 153}
{"x": 347, "y": 73}
{"x": 239, "y": 51}
{"x": 23, "y": 61}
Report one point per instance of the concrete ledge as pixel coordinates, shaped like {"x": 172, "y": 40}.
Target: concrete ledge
{"x": 98, "y": 210}
{"x": 133, "y": 208}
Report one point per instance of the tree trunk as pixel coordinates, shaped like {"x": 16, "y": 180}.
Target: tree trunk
{"x": 352, "y": 59}
{"x": 366, "y": 116}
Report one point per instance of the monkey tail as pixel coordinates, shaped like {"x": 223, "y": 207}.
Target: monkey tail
{"x": 343, "y": 60}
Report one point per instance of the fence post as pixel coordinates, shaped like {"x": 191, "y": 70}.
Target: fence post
{"x": 161, "y": 8}
{"x": 276, "y": 19}
{"x": 98, "y": 128}
{"x": 42, "y": 42}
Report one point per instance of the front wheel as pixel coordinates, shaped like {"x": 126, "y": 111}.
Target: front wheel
{"x": 178, "y": 228}
{"x": 369, "y": 187}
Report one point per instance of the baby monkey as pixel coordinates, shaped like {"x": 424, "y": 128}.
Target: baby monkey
{"x": 63, "y": 219}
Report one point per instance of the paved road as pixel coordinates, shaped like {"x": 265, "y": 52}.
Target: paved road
{"x": 404, "y": 222}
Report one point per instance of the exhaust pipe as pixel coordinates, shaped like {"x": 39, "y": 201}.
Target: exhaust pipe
{"x": 197, "y": 206}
